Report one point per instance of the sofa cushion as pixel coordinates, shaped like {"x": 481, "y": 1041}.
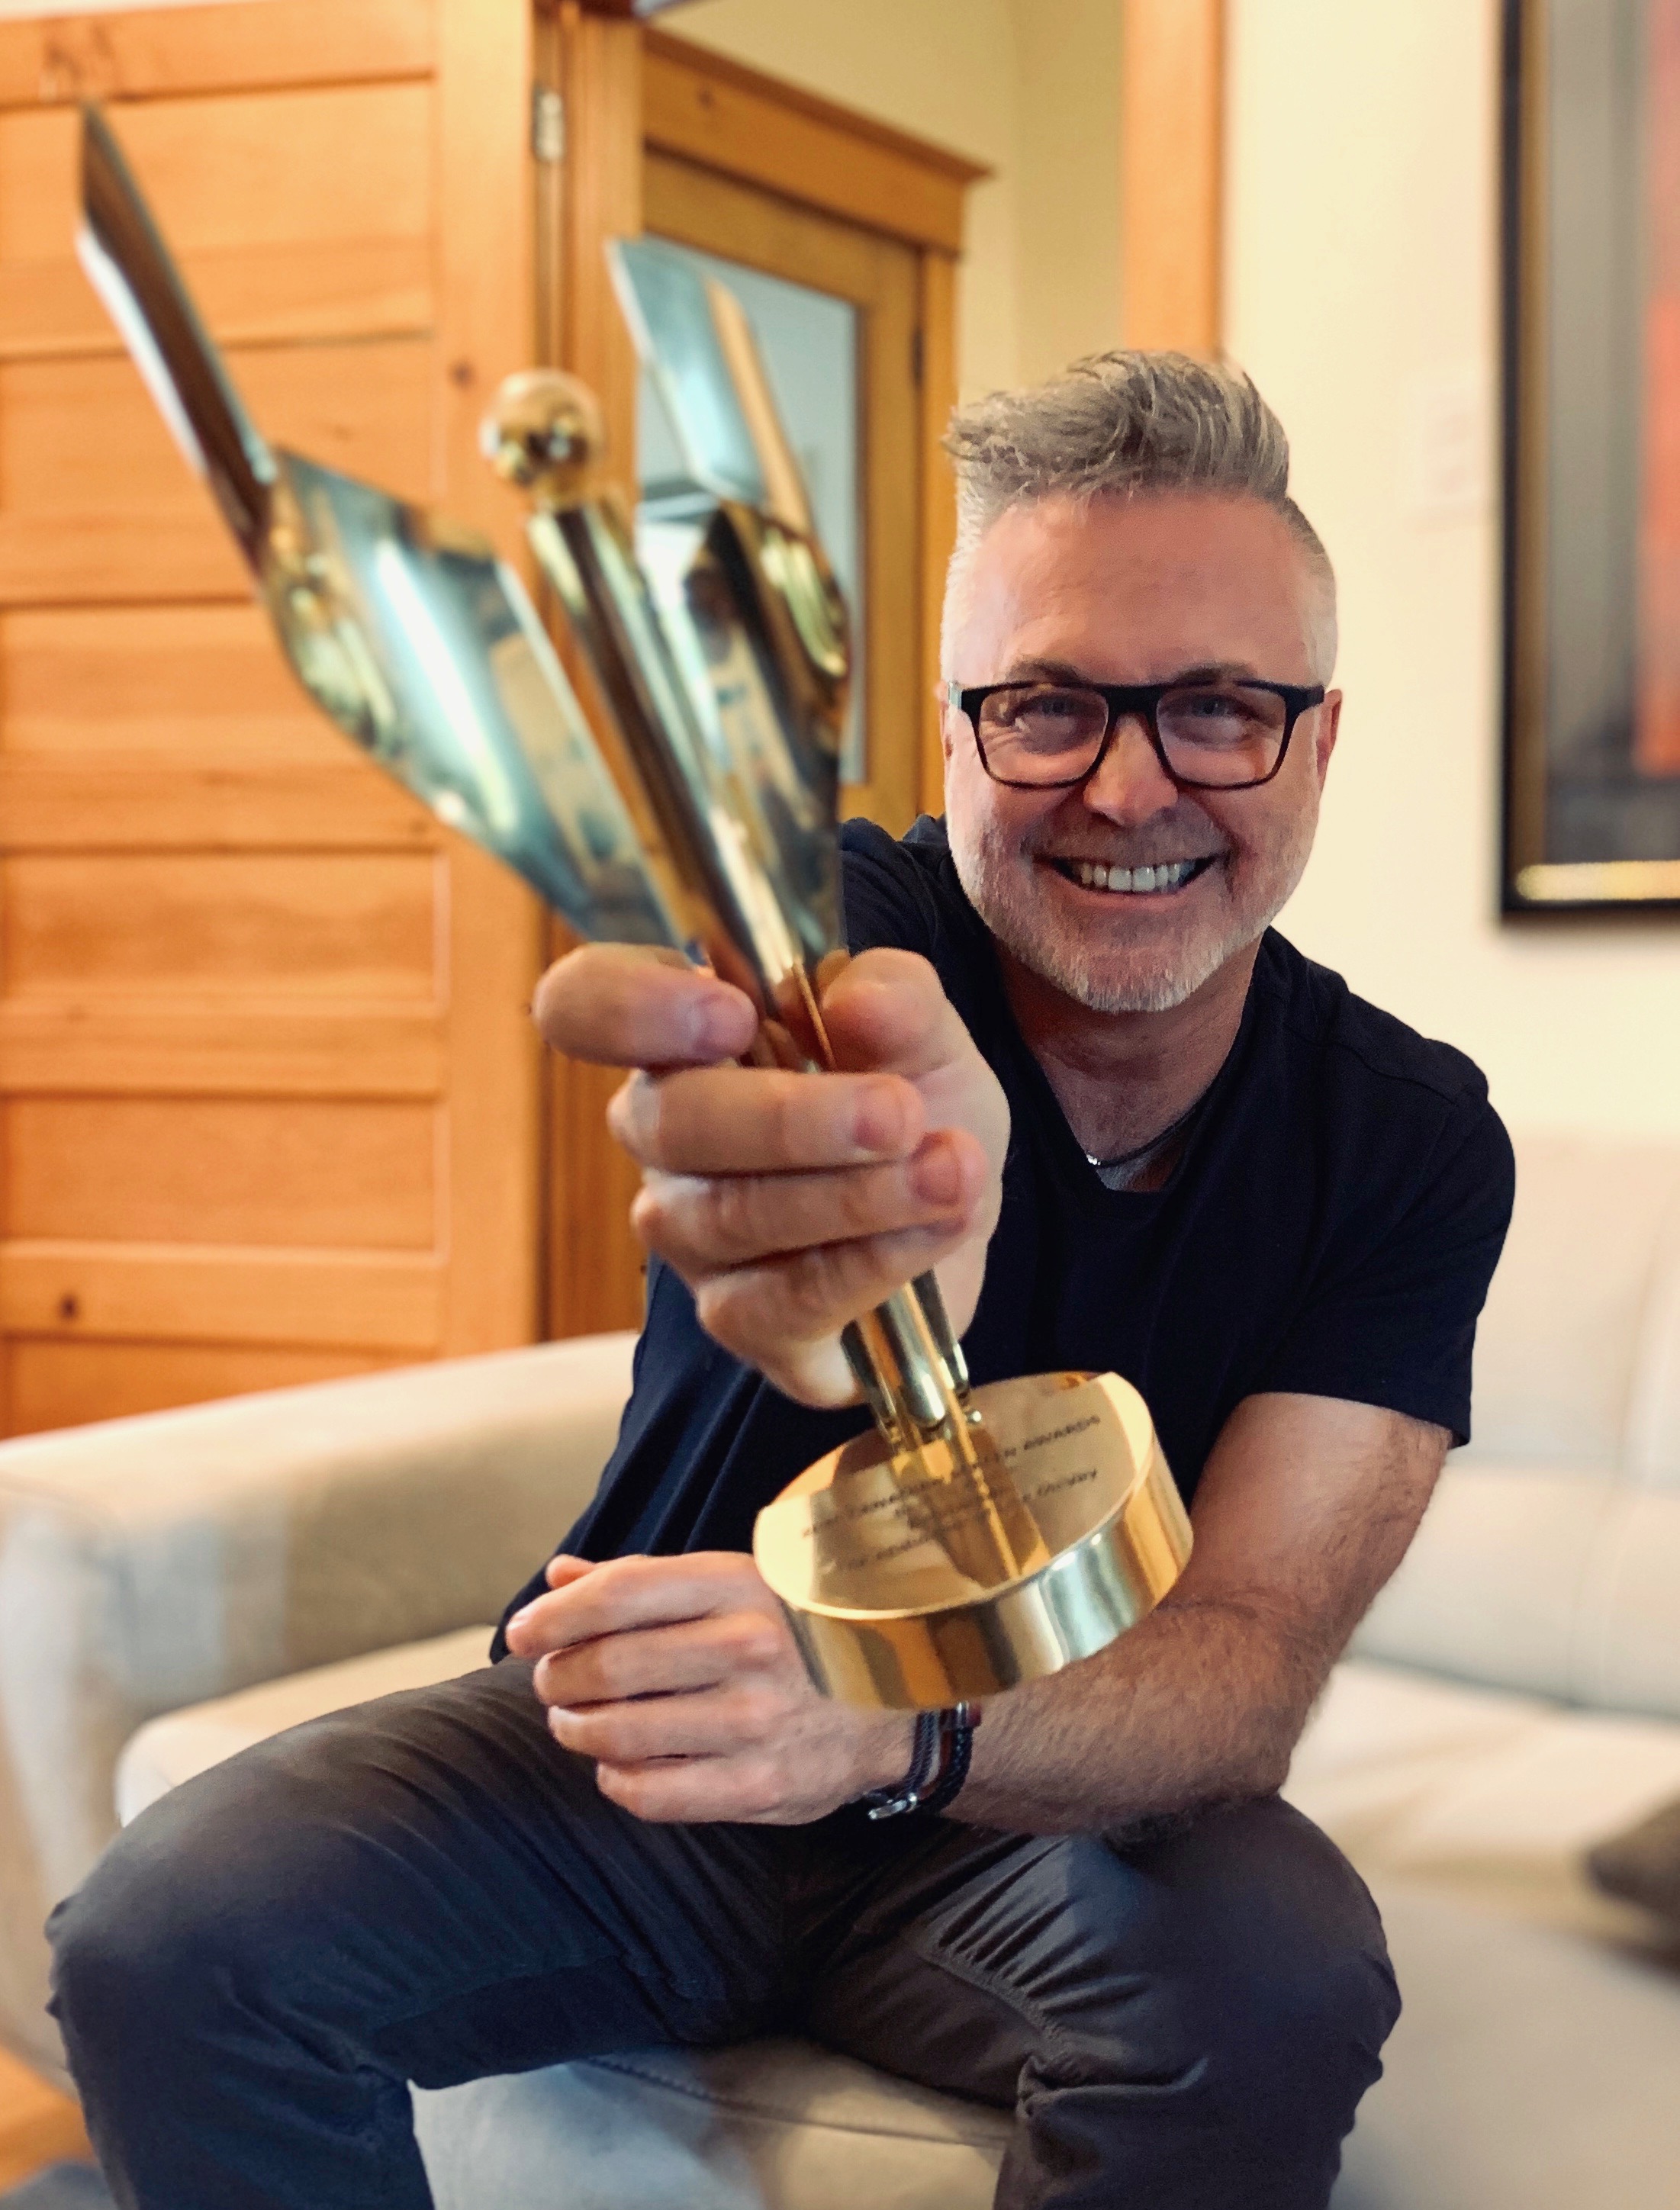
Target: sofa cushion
{"x": 1556, "y": 1581}
{"x": 1530, "y": 2069}
{"x": 1564, "y": 1340}
{"x": 1480, "y": 1795}
{"x": 774, "y": 2125}
{"x": 174, "y": 1748}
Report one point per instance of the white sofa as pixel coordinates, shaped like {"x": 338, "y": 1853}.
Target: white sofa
{"x": 175, "y": 1586}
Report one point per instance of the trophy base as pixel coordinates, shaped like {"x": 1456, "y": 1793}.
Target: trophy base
{"x": 917, "y": 1579}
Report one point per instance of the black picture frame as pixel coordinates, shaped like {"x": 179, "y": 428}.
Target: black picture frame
{"x": 1586, "y": 828}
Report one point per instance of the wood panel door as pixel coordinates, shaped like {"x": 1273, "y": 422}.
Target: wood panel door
{"x": 269, "y": 1101}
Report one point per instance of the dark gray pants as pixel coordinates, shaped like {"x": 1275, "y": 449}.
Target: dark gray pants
{"x": 427, "y": 1888}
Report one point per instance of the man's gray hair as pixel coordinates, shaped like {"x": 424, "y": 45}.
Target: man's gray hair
{"x": 1128, "y": 424}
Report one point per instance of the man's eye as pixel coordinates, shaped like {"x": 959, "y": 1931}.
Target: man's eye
{"x": 1048, "y": 714}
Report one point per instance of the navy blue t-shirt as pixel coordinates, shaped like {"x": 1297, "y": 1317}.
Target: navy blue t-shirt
{"x": 1330, "y": 1226}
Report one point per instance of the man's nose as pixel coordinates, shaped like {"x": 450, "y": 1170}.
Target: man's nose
{"x": 1130, "y": 783}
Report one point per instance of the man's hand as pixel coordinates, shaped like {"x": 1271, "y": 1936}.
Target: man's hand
{"x": 679, "y": 1676}
{"x": 792, "y": 1203}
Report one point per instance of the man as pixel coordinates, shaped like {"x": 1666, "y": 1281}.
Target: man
{"x": 1132, "y": 1129}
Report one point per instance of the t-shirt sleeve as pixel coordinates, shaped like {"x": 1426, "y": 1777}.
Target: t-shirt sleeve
{"x": 1390, "y": 1318}
{"x": 885, "y": 894}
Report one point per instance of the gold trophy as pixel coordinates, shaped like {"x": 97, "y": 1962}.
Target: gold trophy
{"x": 978, "y": 1538}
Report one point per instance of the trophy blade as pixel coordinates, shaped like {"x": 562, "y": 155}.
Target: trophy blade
{"x": 695, "y": 339}
{"x": 129, "y": 265}
{"x": 412, "y": 636}
{"x": 424, "y": 647}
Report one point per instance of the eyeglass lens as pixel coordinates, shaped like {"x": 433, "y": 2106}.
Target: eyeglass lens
{"x": 1214, "y": 734}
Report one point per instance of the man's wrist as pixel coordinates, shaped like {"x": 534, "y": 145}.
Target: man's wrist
{"x": 888, "y": 1744}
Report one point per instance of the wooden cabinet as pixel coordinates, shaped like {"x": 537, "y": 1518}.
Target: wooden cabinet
{"x": 270, "y": 1108}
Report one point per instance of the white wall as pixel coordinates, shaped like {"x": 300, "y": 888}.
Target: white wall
{"x": 1360, "y": 276}
{"x": 1066, "y": 173}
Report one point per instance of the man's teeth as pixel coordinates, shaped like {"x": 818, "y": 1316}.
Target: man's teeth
{"x": 1096, "y": 876}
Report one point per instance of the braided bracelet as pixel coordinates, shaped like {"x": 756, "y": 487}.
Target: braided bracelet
{"x": 950, "y": 1734}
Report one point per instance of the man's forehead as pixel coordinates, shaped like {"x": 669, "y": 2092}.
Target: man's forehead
{"x": 1145, "y": 586}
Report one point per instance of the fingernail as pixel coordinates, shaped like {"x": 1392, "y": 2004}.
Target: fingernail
{"x": 936, "y": 1173}
{"x": 878, "y": 1122}
{"x": 519, "y": 1617}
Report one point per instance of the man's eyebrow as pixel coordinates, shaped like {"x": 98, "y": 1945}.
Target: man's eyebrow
{"x": 1044, "y": 671}
{"x": 1061, "y": 671}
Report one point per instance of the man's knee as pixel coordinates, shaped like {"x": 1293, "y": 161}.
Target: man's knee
{"x": 1277, "y": 1954}
{"x": 208, "y": 1898}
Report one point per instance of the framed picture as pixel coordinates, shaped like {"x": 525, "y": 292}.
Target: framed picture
{"x": 1592, "y": 366}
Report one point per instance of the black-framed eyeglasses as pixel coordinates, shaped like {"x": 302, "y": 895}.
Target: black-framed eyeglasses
{"x": 1218, "y": 734}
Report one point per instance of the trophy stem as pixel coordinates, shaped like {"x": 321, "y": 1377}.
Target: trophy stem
{"x": 904, "y": 1353}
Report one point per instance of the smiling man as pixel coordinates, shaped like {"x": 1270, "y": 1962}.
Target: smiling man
{"x": 1131, "y": 1128}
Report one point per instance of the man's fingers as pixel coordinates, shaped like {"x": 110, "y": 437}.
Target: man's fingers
{"x": 701, "y": 1225}
{"x": 746, "y": 1120}
{"x": 783, "y": 1314}
{"x": 635, "y": 1591}
{"x": 563, "y": 1568}
{"x": 712, "y": 1723}
{"x": 660, "y": 1661}
{"x": 888, "y": 1010}
{"x": 623, "y": 1005}
{"x": 695, "y": 1789}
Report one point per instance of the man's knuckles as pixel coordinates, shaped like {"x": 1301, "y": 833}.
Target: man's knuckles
{"x": 700, "y": 1224}
{"x": 751, "y": 1120}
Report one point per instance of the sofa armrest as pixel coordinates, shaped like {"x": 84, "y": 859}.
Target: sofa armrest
{"x": 151, "y": 1563}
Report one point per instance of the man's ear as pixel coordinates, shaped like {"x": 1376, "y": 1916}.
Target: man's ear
{"x": 1324, "y": 740}
{"x": 947, "y": 717}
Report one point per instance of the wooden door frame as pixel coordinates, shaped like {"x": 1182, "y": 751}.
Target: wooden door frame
{"x": 625, "y": 90}
{"x": 1172, "y": 172}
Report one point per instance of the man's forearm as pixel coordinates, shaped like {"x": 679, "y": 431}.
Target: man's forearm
{"x": 1201, "y": 1703}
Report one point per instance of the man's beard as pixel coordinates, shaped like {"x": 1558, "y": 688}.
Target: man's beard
{"x": 1109, "y": 976}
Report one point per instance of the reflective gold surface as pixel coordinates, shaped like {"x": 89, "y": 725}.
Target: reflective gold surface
{"x": 900, "y": 1580}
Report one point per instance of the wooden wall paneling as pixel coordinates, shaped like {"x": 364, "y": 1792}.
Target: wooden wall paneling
{"x": 290, "y": 1172}
{"x": 485, "y": 330}
{"x": 191, "y": 682}
{"x": 249, "y": 1046}
{"x": 1172, "y": 138}
{"x": 257, "y": 1015}
{"x": 59, "y": 1383}
{"x": 298, "y": 924}
{"x": 594, "y": 1269}
{"x": 176, "y": 727}
{"x": 195, "y": 1292}
{"x": 131, "y": 804}
{"x": 97, "y": 503}
{"x": 292, "y": 213}
{"x": 937, "y": 395}
{"x": 104, "y": 54}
